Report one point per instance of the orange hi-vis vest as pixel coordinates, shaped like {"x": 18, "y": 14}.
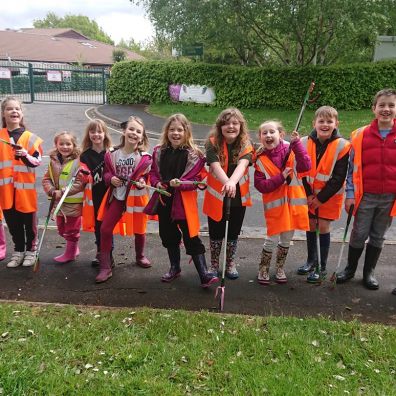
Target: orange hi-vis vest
{"x": 133, "y": 220}
{"x": 357, "y": 176}
{"x": 17, "y": 178}
{"x": 88, "y": 212}
{"x": 285, "y": 209}
{"x": 320, "y": 174}
{"x": 1, "y": 215}
{"x": 213, "y": 200}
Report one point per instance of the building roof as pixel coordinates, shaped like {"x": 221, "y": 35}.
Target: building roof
{"x": 57, "y": 45}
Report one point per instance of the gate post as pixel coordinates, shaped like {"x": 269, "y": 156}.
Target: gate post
{"x": 31, "y": 83}
{"x": 104, "y": 85}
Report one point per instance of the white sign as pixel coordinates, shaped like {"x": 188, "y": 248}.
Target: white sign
{"x": 54, "y": 76}
{"x": 5, "y": 74}
{"x": 66, "y": 75}
{"x": 197, "y": 94}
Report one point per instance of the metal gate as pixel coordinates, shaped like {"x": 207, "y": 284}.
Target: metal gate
{"x": 54, "y": 83}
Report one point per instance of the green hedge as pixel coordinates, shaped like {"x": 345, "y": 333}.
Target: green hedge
{"x": 345, "y": 87}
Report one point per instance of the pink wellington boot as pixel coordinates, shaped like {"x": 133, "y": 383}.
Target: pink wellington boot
{"x": 141, "y": 259}
{"x": 104, "y": 268}
{"x": 3, "y": 247}
{"x": 71, "y": 252}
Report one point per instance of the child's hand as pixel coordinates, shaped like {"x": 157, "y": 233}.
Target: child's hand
{"x": 348, "y": 203}
{"x": 310, "y": 198}
{"x": 141, "y": 183}
{"x": 57, "y": 194}
{"x": 20, "y": 152}
{"x": 174, "y": 183}
{"x": 229, "y": 189}
{"x": 294, "y": 136}
{"x": 116, "y": 182}
{"x": 161, "y": 186}
{"x": 287, "y": 172}
{"x": 315, "y": 203}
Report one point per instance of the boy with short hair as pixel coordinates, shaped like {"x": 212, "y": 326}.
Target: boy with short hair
{"x": 323, "y": 185}
{"x": 371, "y": 187}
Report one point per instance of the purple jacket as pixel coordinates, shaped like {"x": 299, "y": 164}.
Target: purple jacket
{"x": 277, "y": 155}
{"x": 109, "y": 169}
{"x": 195, "y": 163}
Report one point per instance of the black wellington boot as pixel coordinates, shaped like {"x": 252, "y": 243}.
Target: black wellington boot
{"x": 353, "y": 260}
{"x": 370, "y": 261}
{"x": 174, "y": 271}
{"x": 312, "y": 254}
{"x": 207, "y": 278}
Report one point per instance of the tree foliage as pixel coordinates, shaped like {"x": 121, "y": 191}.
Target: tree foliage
{"x": 80, "y": 23}
{"x": 287, "y": 32}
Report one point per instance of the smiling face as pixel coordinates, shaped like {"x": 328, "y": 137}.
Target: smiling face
{"x": 133, "y": 133}
{"x": 324, "y": 127}
{"x": 385, "y": 111}
{"x": 64, "y": 145}
{"x": 96, "y": 136}
{"x": 12, "y": 114}
{"x": 269, "y": 135}
{"x": 231, "y": 129}
{"x": 176, "y": 134}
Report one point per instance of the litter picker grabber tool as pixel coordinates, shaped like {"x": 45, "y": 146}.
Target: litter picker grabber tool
{"x": 68, "y": 188}
{"x": 315, "y": 277}
{"x": 158, "y": 190}
{"x": 36, "y": 265}
{"x": 220, "y": 290}
{"x": 303, "y": 106}
{"x": 13, "y": 145}
{"x": 333, "y": 278}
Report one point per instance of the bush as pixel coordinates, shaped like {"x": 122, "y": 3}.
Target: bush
{"x": 347, "y": 87}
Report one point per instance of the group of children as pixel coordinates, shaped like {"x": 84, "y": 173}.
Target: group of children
{"x": 302, "y": 185}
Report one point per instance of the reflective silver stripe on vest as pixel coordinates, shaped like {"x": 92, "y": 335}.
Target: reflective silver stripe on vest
{"x": 23, "y": 169}
{"x": 31, "y": 141}
{"x": 137, "y": 193}
{"x": 275, "y": 204}
{"x": 24, "y": 186}
{"x": 340, "y": 146}
{"x": 262, "y": 169}
{"x": 213, "y": 192}
{"x": 89, "y": 201}
{"x": 245, "y": 198}
{"x": 322, "y": 177}
{"x": 298, "y": 201}
{"x": 135, "y": 209}
{"x": 5, "y": 164}
{"x": 7, "y": 180}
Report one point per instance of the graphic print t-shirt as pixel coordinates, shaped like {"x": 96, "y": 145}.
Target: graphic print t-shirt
{"x": 125, "y": 165}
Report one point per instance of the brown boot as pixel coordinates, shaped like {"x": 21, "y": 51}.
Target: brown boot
{"x": 263, "y": 274}
{"x": 281, "y": 254}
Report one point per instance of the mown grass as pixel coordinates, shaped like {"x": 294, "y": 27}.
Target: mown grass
{"x": 75, "y": 351}
{"x": 204, "y": 114}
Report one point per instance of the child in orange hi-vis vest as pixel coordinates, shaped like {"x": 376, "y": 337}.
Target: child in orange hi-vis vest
{"x": 284, "y": 199}
{"x": 3, "y": 246}
{"x": 20, "y": 154}
{"x": 125, "y": 172}
{"x": 64, "y": 165}
{"x": 229, "y": 152}
{"x": 324, "y": 186}
{"x": 177, "y": 164}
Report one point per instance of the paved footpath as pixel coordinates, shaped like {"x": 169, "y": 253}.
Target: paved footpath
{"x": 132, "y": 286}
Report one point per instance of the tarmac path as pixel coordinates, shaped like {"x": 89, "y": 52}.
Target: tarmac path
{"x": 132, "y": 286}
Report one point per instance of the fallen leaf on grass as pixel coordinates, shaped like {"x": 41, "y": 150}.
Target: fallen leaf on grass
{"x": 339, "y": 377}
{"x": 340, "y": 365}
{"x": 315, "y": 343}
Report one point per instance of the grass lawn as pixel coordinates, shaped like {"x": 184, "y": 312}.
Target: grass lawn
{"x": 203, "y": 114}
{"x": 79, "y": 351}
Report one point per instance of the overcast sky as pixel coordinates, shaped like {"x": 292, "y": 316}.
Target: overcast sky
{"x": 118, "y": 18}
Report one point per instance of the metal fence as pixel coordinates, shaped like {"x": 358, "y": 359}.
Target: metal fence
{"x": 54, "y": 83}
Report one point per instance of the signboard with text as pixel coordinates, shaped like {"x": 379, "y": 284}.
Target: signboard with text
{"x": 54, "y": 76}
{"x": 5, "y": 74}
